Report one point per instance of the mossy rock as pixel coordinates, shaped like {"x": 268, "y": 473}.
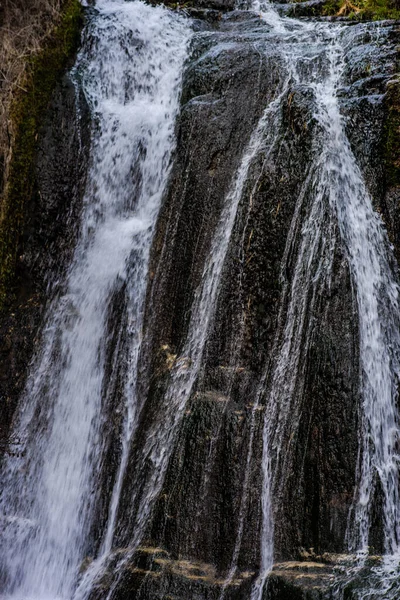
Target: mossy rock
{"x": 26, "y": 116}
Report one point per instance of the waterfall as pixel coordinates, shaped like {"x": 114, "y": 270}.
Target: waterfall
{"x": 159, "y": 445}
{"x": 130, "y": 67}
{"x": 375, "y": 281}
{"x": 336, "y": 192}
{"x": 54, "y": 517}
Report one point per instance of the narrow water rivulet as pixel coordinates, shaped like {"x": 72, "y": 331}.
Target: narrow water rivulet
{"x": 174, "y": 403}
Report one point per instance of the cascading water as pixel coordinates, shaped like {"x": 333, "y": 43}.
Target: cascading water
{"x": 374, "y": 277}
{"x": 186, "y": 369}
{"x": 315, "y": 57}
{"x": 130, "y": 67}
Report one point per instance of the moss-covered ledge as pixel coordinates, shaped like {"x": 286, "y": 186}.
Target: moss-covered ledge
{"x": 26, "y": 114}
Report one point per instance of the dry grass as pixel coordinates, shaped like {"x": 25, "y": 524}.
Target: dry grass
{"x": 24, "y": 26}
{"x": 37, "y": 39}
{"x": 375, "y": 10}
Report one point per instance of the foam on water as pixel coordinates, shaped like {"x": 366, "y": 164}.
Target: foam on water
{"x": 130, "y": 67}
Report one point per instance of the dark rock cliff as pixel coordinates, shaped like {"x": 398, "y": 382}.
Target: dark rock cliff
{"x": 196, "y": 518}
{"x": 191, "y": 539}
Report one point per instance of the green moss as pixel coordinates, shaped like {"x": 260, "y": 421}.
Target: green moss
{"x": 331, "y": 7}
{"x": 378, "y": 10}
{"x": 26, "y": 116}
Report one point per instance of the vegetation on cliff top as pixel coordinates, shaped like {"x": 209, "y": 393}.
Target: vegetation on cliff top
{"x": 375, "y": 10}
{"x": 38, "y": 37}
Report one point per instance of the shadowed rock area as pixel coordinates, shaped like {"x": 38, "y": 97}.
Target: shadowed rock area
{"x": 47, "y": 243}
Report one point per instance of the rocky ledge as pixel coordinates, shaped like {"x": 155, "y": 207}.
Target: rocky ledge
{"x": 153, "y": 573}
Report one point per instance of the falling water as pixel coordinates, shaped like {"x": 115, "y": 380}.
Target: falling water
{"x": 187, "y": 366}
{"x": 268, "y": 138}
{"x": 335, "y": 190}
{"x": 130, "y": 67}
{"x": 159, "y": 444}
{"x": 371, "y": 265}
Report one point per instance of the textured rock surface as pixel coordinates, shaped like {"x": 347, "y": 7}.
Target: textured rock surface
{"x": 47, "y": 243}
{"x": 198, "y": 511}
{"x": 191, "y": 539}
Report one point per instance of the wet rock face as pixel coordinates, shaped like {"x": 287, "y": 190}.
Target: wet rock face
{"x": 365, "y": 103}
{"x": 225, "y": 91}
{"x": 200, "y": 508}
{"x": 320, "y": 474}
{"x": 223, "y": 5}
{"x": 60, "y": 174}
{"x": 212, "y": 489}
{"x": 48, "y": 241}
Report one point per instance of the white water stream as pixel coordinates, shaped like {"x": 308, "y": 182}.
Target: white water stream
{"x": 315, "y": 57}
{"x": 130, "y": 66}
{"x": 336, "y": 178}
